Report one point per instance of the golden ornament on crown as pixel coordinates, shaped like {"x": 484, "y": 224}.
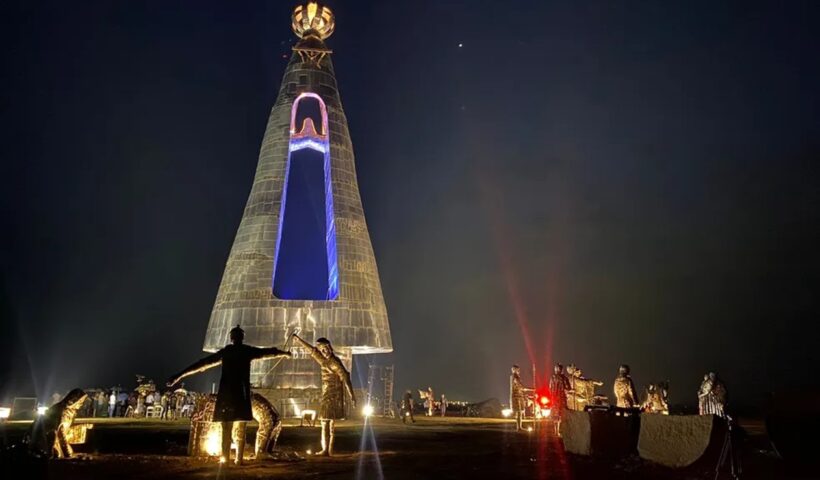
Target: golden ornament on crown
{"x": 313, "y": 20}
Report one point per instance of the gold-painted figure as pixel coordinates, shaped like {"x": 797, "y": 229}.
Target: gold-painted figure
{"x": 270, "y": 426}
{"x": 625, "y": 394}
{"x": 518, "y": 396}
{"x": 712, "y": 396}
{"x": 428, "y": 400}
{"x": 49, "y": 433}
{"x": 582, "y": 389}
{"x": 335, "y": 383}
{"x": 233, "y": 401}
{"x": 657, "y": 398}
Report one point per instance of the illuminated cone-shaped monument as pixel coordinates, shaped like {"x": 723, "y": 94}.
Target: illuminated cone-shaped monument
{"x": 302, "y": 259}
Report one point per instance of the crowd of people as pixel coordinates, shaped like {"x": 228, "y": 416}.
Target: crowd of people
{"x": 145, "y": 401}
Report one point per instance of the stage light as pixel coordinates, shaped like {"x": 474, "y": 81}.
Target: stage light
{"x": 213, "y": 442}
{"x": 506, "y": 412}
{"x": 41, "y": 410}
{"x": 367, "y": 410}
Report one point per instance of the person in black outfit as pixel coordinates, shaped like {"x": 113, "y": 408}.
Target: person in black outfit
{"x": 233, "y": 401}
{"x": 407, "y": 407}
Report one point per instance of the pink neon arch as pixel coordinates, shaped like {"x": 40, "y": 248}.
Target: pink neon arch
{"x": 322, "y": 108}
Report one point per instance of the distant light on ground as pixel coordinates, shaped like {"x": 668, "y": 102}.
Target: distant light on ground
{"x": 529, "y": 429}
{"x": 367, "y": 410}
{"x": 5, "y": 413}
{"x": 545, "y": 412}
{"x": 41, "y": 410}
{"x": 309, "y": 451}
{"x": 506, "y": 412}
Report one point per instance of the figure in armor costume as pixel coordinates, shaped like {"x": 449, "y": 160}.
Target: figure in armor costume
{"x": 712, "y": 396}
{"x": 582, "y": 390}
{"x": 335, "y": 383}
{"x": 518, "y": 396}
{"x": 558, "y": 386}
{"x": 233, "y": 401}
{"x": 657, "y": 398}
{"x": 625, "y": 394}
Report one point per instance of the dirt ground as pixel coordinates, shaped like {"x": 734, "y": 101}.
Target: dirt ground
{"x": 432, "y": 448}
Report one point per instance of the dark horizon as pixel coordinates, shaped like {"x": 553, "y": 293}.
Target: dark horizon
{"x": 597, "y": 185}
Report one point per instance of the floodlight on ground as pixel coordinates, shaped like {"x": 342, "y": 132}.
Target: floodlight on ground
{"x": 213, "y": 440}
{"x": 41, "y": 410}
{"x": 367, "y": 410}
{"x": 506, "y": 412}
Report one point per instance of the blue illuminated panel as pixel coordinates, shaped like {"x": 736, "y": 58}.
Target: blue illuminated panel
{"x": 305, "y": 266}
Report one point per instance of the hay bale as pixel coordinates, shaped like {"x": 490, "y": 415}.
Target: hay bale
{"x": 674, "y": 440}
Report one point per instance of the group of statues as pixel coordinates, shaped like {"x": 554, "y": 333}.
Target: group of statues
{"x": 234, "y": 405}
{"x": 573, "y": 391}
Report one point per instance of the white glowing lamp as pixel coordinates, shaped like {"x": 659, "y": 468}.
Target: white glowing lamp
{"x": 506, "y": 412}
{"x": 367, "y": 410}
{"x": 5, "y": 413}
{"x": 545, "y": 412}
{"x": 41, "y": 410}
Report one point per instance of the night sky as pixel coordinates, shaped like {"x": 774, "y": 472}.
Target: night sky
{"x": 588, "y": 182}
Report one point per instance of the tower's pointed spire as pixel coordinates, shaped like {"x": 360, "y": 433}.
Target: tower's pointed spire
{"x": 313, "y": 23}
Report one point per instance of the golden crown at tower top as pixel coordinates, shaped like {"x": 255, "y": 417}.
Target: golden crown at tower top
{"x": 313, "y": 20}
